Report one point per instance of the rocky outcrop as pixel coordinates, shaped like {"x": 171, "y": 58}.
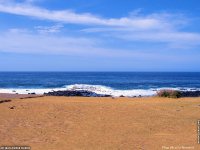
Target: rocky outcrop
{"x": 190, "y": 93}
{"x": 82, "y": 93}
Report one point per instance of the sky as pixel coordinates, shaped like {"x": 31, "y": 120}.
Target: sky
{"x": 100, "y": 35}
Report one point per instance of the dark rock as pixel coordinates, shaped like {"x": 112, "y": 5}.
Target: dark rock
{"x": 4, "y": 101}
{"x": 32, "y": 93}
{"x": 82, "y": 93}
{"x": 190, "y": 93}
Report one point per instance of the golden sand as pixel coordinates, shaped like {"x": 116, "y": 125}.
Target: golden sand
{"x": 66, "y": 123}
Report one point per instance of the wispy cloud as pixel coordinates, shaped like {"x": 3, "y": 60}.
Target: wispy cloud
{"x": 25, "y": 41}
{"x": 173, "y": 38}
{"x": 68, "y": 16}
{"x": 21, "y": 40}
{"x": 157, "y": 27}
{"x": 49, "y": 29}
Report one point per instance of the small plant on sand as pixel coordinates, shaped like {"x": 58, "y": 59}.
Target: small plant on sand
{"x": 169, "y": 93}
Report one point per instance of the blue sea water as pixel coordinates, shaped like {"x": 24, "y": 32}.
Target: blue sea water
{"x": 98, "y": 81}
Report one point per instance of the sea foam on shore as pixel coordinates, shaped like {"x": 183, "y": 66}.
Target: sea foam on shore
{"x": 98, "y": 89}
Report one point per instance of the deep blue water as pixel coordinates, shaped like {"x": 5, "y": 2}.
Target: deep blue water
{"x": 115, "y": 80}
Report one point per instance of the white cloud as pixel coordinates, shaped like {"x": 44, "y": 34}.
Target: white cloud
{"x": 172, "y": 38}
{"x": 17, "y": 40}
{"x": 25, "y": 41}
{"x": 157, "y": 27}
{"x": 28, "y": 42}
{"x": 68, "y": 16}
{"x": 51, "y": 29}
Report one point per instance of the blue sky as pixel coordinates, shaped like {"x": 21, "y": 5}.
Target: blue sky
{"x": 99, "y": 35}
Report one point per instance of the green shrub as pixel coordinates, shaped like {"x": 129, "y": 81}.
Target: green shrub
{"x": 169, "y": 93}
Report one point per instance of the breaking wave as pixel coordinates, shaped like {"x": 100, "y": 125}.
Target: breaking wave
{"x": 98, "y": 89}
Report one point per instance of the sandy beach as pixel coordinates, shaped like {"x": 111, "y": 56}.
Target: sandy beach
{"x": 78, "y": 123}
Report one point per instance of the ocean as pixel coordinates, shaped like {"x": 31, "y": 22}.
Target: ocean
{"x": 113, "y": 83}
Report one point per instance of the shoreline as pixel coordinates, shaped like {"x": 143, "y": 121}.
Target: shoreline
{"x": 17, "y": 96}
{"x": 68, "y": 93}
{"x": 100, "y": 90}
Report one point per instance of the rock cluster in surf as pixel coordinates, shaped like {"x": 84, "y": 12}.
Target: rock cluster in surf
{"x": 85, "y": 93}
{"x": 82, "y": 93}
{"x": 190, "y": 93}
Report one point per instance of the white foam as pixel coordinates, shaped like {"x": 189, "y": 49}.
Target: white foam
{"x": 98, "y": 89}
{"x": 27, "y": 91}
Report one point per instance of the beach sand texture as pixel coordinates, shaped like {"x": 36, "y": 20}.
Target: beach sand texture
{"x": 78, "y": 123}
